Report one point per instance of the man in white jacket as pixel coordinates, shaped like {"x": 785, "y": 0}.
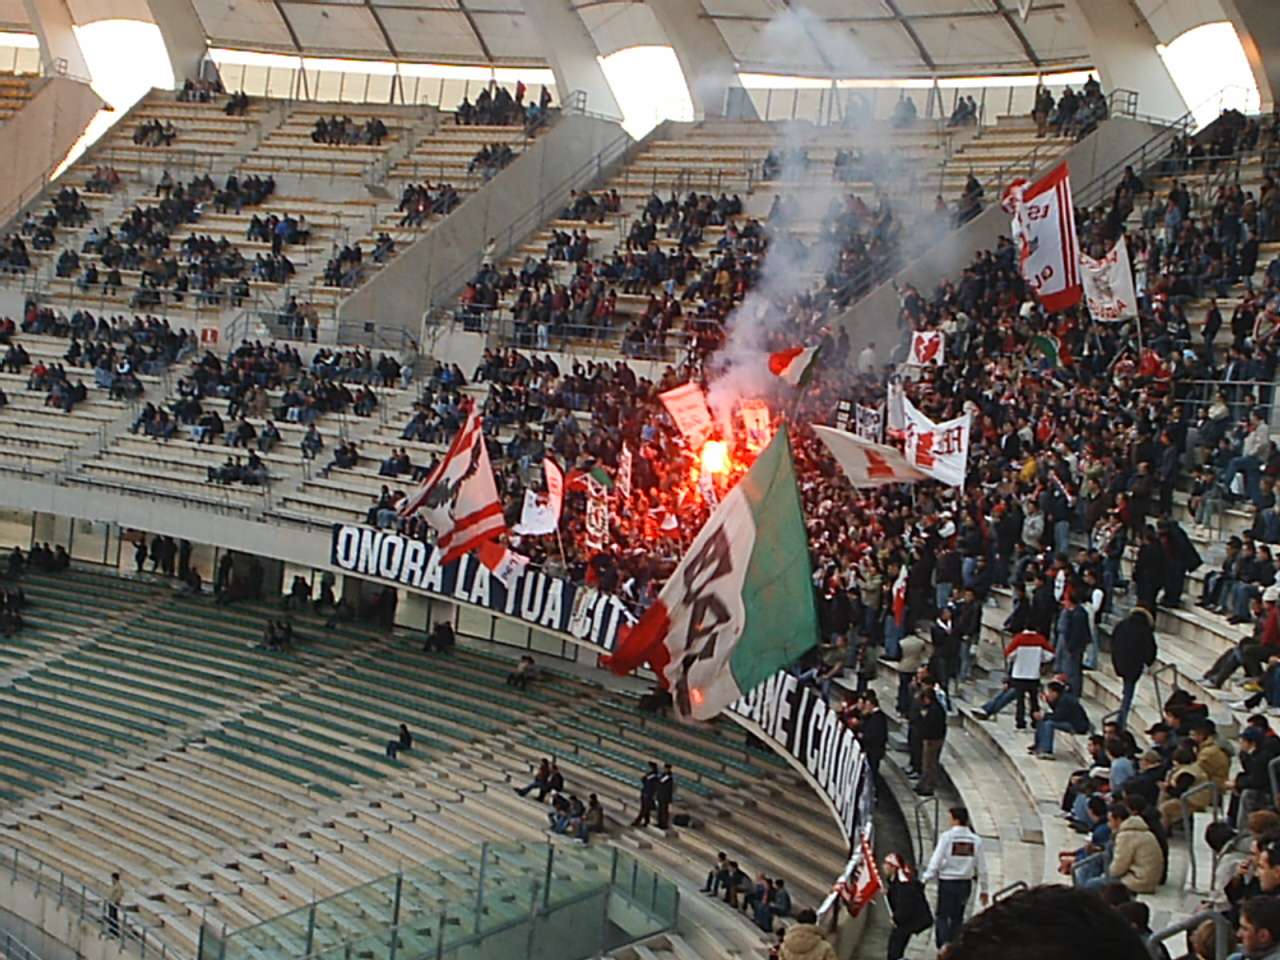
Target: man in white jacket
{"x": 956, "y": 863}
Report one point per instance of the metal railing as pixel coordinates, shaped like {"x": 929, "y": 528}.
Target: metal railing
{"x": 1088, "y": 862}
{"x": 1007, "y": 891}
{"x": 89, "y": 905}
{"x": 1155, "y": 148}
{"x": 1187, "y": 816}
{"x": 920, "y": 818}
{"x": 1221, "y": 934}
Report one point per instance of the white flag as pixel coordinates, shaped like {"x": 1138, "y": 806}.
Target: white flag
{"x": 939, "y": 449}
{"x": 1108, "y": 284}
{"x": 624, "y": 473}
{"x": 540, "y": 514}
{"x": 927, "y": 346}
{"x": 687, "y": 405}
{"x": 867, "y": 464}
{"x": 459, "y": 498}
{"x": 1044, "y": 229}
{"x": 870, "y": 423}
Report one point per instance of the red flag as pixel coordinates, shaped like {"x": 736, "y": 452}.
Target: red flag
{"x": 863, "y": 889}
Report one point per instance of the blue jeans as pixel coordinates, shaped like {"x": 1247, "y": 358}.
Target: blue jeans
{"x": 1045, "y": 730}
{"x": 1024, "y": 691}
{"x": 1061, "y": 536}
{"x": 1252, "y": 470}
{"x": 892, "y": 638}
{"x": 967, "y": 657}
{"x": 953, "y": 898}
{"x": 1126, "y": 701}
{"x": 941, "y": 593}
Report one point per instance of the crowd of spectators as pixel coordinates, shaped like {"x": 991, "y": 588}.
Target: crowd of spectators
{"x": 155, "y": 133}
{"x": 496, "y": 106}
{"x": 201, "y": 91}
{"x": 340, "y": 131}
{"x": 421, "y": 201}
{"x": 1070, "y": 498}
{"x": 490, "y": 159}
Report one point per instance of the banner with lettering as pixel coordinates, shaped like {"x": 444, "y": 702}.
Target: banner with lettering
{"x": 939, "y": 449}
{"x": 549, "y": 603}
{"x": 870, "y": 424}
{"x": 687, "y": 405}
{"x": 624, "y": 473}
{"x": 1108, "y": 284}
{"x": 755, "y": 423}
{"x": 597, "y": 520}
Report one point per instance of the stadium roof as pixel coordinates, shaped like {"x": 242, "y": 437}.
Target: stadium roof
{"x": 859, "y": 38}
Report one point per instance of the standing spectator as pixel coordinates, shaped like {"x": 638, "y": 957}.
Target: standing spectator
{"x": 1133, "y": 649}
{"x": 907, "y": 903}
{"x": 664, "y": 794}
{"x": 115, "y": 901}
{"x": 956, "y": 863}
{"x": 874, "y": 728}
{"x": 648, "y": 792}
{"x": 1026, "y": 654}
{"x": 933, "y": 733}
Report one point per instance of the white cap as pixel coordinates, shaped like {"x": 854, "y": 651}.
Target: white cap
{"x": 1271, "y": 594}
{"x": 948, "y": 529}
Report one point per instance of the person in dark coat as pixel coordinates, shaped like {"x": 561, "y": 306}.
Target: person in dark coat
{"x": 1181, "y": 558}
{"x": 907, "y": 903}
{"x": 933, "y": 733}
{"x": 874, "y": 728}
{"x": 648, "y": 791}
{"x": 663, "y": 794}
{"x": 1044, "y": 608}
{"x": 1133, "y": 649}
{"x": 1149, "y": 570}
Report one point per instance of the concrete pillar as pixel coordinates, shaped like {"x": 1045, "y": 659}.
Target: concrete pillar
{"x": 1257, "y": 23}
{"x": 60, "y": 52}
{"x": 184, "y": 37}
{"x": 572, "y": 54}
{"x": 1124, "y": 51}
{"x": 708, "y": 64}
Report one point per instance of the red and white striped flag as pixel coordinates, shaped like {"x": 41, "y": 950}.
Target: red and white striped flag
{"x": 459, "y": 497}
{"x": 1044, "y": 228}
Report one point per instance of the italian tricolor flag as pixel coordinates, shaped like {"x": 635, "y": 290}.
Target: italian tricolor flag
{"x": 740, "y": 606}
{"x": 793, "y": 365}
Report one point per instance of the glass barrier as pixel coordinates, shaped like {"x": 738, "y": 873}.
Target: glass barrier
{"x": 554, "y": 900}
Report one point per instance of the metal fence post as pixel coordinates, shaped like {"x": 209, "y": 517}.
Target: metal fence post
{"x": 444, "y": 917}
{"x": 311, "y": 925}
{"x": 546, "y": 892}
{"x": 395, "y": 917}
{"x": 484, "y": 865}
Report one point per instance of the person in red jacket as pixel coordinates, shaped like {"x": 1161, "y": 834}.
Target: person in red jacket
{"x": 1026, "y": 653}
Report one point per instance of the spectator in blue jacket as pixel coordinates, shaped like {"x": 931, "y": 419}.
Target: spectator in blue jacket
{"x": 1063, "y": 713}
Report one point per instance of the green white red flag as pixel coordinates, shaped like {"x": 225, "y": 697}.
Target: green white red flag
{"x": 793, "y": 365}
{"x": 740, "y": 606}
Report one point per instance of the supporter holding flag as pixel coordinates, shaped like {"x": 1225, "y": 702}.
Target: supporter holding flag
{"x": 740, "y": 605}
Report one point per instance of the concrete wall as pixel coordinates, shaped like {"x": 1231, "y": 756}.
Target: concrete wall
{"x": 290, "y": 543}
{"x": 510, "y": 208}
{"x": 875, "y": 316}
{"x": 38, "y": 136}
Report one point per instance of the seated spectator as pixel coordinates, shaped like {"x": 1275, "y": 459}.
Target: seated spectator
{"x": 525, "y": 671}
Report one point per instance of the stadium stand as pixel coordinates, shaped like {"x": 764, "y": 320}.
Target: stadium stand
{"x": 199, "y": 764}
{"x": 15, "y": 90}
{"x": 155, "y": 736}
